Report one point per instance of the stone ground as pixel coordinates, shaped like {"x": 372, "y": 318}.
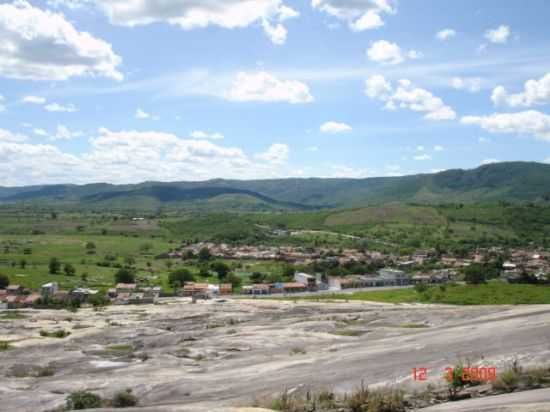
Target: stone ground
{"x": 178, "y": 356}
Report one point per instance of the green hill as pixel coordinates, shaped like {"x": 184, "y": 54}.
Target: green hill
{"x": 512, "y": 182}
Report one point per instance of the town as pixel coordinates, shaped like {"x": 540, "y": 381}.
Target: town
{"x": 313, "y": 270}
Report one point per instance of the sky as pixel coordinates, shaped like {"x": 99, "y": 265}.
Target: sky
{"x": 125, "y": 91}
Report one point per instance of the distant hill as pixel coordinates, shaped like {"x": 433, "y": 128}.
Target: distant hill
{"x": 511, "y": 181}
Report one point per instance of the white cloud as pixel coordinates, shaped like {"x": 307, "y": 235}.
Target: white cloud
{"x": 445, "y": 34}
{"x": 276, "y": 154}
{"x": 535, "y": 92}
{"x": 422, "y": 157}
{"x": 377, "y": 86}
{"x": 420, "y": 148}
{"x": 40, "y": 132}
{"x": 63, "y": 133}
{"x": 335, "y": 127}
{"x": 360, "y": 15}
{"x": 42, "y": 45}
{"x": 199, "y": 134}
{"x": 529, "y": 122}
{"x": 472, "y": 84}
{"x": 483, "y": 140}
{"x": 414, "y": 55}
{"x": 406, "y": 96}
{"x": 140, "y": 114}
{"x": 56, "y": 107}
{"x": 7, "y": 136}
{"x": 69, "y": 4}
{"x": 189, "y": 15}
{"x": 438, "y": 148}
{"x": 312, "y": 149}
{"x": 264, "y": 87}
{"x": 489, "y": 161}
{"x": 33, "y": 100}
{"x": 383, "y": 51}
{"x": 499, "y": 35}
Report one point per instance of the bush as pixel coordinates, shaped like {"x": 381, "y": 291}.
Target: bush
{"x": 4, "y": 345}
{"x": 507, "y": 381}
{"x": 125, "y": 275}
{"x": 83, "y": 400}
{"x": 124, "y": 399}
{"x": 60, "y": 334}
{"x": 4, "y": 281}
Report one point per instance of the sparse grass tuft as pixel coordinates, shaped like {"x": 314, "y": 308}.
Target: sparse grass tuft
{"x": 59, "y": 334}
{"x": 297, "y": 350}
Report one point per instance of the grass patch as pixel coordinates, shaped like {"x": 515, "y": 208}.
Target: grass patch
{"x": 59, "y": 334}
{"x": 492, "y": 293}
{"x": 297, "y": 350}
{"x": 414, "y": 326}
{"x": 4, "y": 346}
{"x": 348, "y": 332}
{"x": 121, "y": 348}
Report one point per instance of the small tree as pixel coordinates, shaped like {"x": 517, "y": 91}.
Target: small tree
{"x": 178, "y": 277}
{"x": 69, "y": 269}
{"x": 234, "y": 280}
{"x": 54, "y": 266}
{"x": 4, "y": 281}
{"x": 221, "y": 269}
{"x": 474, "y": 275}
{"x": 168, "y": 264}
{"x": 83, "y": 400}
{"x": 22, "y": 263}
{"x": 125, "y": 275}
{"x": 125, "y": 399}
{"x": 204, "y": 255}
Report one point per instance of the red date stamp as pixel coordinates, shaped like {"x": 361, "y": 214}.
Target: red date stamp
{"x": 467, "y": 374}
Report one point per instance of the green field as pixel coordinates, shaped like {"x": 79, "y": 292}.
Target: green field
{"x": 492, "y": 293}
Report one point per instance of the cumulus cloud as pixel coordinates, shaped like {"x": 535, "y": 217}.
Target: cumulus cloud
{"x": 140, "y": 114}
{"x": 489, "y": 161}
{"x": 499, "y": 35}
{"x": 471, "y": 84}
{"x": 360, "y": 15}
{"x": 406, "y": 96}
{"x": 56, "y": 107}
{"x": 383, "y": 51}
{"x": 63, "y": 133}
{"x": 276, "y": 154}
{"x": 189, "y": 15}
{"x": 438, "y": 148}
{"x": 40, "y": 132}
{"x": 445, "y": 34}
{"x": 33, "y": 100}
{"x": 199, "y": 134}
{"x": 535, "y": 92}
{"x": 530, "y": 122}
{"x": 7, "y": 136}
{"x": 335, "y": 128}
{"x": 264, "y": 87}
{"x": 422, "y": 157}
{"x": 42, "y": 45}
{"x": 378, "y": 86}
{"x": 133, "y": 156}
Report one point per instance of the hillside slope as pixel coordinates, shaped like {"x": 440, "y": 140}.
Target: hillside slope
{"x": 512, "y": 181}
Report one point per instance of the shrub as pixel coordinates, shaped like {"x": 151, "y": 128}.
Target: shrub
{"x": 124, "y": 399}
{"x": 507, "y": 381}
{"x": 83, "y": 400}
{"x": 4, "y": 281}
{"x": 60, "y": 334}
{"x": 4, "y": 345}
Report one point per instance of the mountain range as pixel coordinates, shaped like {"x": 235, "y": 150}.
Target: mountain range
{"x": 507, "y": 181}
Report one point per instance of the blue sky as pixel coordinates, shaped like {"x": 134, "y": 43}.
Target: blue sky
{"x": 126, "y": 90}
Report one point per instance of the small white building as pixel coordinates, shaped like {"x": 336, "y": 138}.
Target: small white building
{"x": 50, "y": 289}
